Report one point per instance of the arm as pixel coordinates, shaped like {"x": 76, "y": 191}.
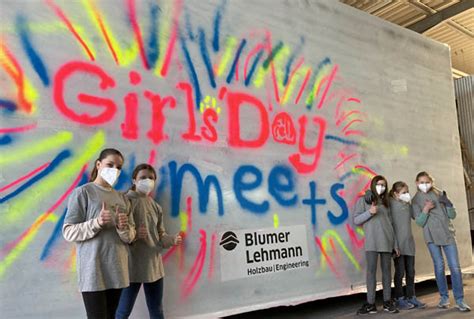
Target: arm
{"x": 76, "y": 228}
{"x": 395, "y": 240}
{"x": 128, "y": 233}
{"x": 166, "y": 240}
{"x": 82, "y": 231}
{"x": 420, "y": 216}
{"x": 361, "y": 215}
{"x": 451, "y": 212}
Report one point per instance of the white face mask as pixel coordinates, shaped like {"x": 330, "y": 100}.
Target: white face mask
{"x": 145, "y": 186}
{"x": 425, "y": 187}
{"x": 405, "y": 197}
{"x": 380, "y": 189}
{"x": 110, "y": 175}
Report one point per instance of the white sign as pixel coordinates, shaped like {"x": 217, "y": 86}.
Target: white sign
{"x": 248, "y": 253}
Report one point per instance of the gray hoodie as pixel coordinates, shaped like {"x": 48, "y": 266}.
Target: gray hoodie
{"x": 102, "y": 251}
{"x": 437, "y": 226}
{"x": 378, "y": 228}
{"x": 147, "y": 265}
{"x": 402, "y": 214}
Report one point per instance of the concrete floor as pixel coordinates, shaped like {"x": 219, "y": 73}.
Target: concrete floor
{"x": 346, "y": 307}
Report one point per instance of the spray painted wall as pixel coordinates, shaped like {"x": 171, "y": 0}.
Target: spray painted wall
{"x": 257, "y": 114}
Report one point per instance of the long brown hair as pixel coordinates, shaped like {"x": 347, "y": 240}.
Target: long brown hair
{"x": 396, "y": 188}
{"x": 105, "y": 152}
{"x": 139, "y": 168}
{"x": 383, "y": 197}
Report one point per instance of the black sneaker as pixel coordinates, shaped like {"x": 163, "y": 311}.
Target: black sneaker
{"x": 366, "y": 309}
{"x": 389, "y": 306}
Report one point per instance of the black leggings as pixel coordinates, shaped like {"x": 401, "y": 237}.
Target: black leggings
{"x": 101, "y": 304}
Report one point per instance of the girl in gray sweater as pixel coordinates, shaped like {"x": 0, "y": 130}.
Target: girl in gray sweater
{"x": 402, "y": 214}
{"x": 434, "y": 212}
{"x": 146, "y": 263}
{"x": 373, "y": 212}
{"x": 98, "y": 220}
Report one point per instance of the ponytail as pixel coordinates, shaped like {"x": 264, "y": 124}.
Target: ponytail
{"x": 105, "y": 152}
{"x": 396, "y": 187}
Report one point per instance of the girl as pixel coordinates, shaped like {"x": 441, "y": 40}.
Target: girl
{"x": 374, "y": 214}
{"x": 147, "y": 266}
{"x": 402, "y": 213}
{"x": 97, "y": 220}
{"x": 434, "y": 211}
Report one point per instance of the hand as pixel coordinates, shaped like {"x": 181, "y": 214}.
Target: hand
{"x": 122, "y": 219}
{"x": 443, "y": 199}
{"x": 429, "y": 205}
{"x": 373, "y": 209}
{"x": 178, "y": 239}
{"x": 396, "y": 252}
{"x": 143, "y": 232}
{"x": 369, "y": 197}
{"x": 105, "y": 217}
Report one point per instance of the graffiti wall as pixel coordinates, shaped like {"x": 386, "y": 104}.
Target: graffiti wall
{"x": 265, "y": 120}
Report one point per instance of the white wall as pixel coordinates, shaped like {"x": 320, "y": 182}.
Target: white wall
{"x": 398, "y": 82}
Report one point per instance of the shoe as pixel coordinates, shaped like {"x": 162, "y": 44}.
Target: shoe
{"x": 462, "y": 306}
{"x": 366, "y": 309}
{"x": 443, "y": 302}
{"x": 389, "y": 306}
{"x": 418, "y": 304}
{"x": 403, "y": 304}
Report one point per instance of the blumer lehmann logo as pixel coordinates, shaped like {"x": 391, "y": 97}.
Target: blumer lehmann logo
{"x": 229, "y": 240}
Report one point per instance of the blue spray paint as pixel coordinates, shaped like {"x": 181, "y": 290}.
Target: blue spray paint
{"x": 240, "y": 186}
{"x": 191, "y": 71}
{"x": 337, "y": 220}
{"x": 203, "y": 188}
{"x": 312, "y": 201}
{"x": 236, "y": 59}
{"x": 253, "y": 68}
{"x": 153, "y": 52}
{"x": 205, "y": 57}
{"x": 49, "y": 169}
{"x": 35, "y": 59}
{"x": 341, "y": 140}
{"x": 281, "y": 180}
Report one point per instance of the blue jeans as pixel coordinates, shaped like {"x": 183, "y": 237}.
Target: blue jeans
{"x": 451, "y": 252}
{"x": 153, "y": 296}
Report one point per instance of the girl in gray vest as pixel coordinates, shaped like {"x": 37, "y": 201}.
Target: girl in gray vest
{"x": 373, "y": 212}
{"x": 146, "y": 265}
{"x": 98, "y": 220}
{"x": 402, "y": 214}
{"x": 434, "y": 212}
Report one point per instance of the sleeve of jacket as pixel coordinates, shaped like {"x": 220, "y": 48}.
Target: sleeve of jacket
{"x": 76, "y": 228}
{"x": 361, "y": 214}
{"x": 451, "y": 212}
{"x": 420, "y": 217}
{"x": 166, "y": 240}
{"x": 128, "y": 234}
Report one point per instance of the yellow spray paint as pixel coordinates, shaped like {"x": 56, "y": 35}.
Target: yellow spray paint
{"x": 317, "y": 84}
{"x": 27, "y": 152}
{"x": 231, "y": 43}
{"x": 278, "y": 62}
{"x": 20, "y": 248}
{"x": 24, "y": 204}
{"x": 276, "y": 221}
{"x": 124, "y": 57}
{"x": 183, "y": 217}
{"x": 325, "y": 242}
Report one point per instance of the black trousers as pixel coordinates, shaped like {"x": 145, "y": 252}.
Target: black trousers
{"x": 404, "y": 267}
{"x": 101, "y": 304}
